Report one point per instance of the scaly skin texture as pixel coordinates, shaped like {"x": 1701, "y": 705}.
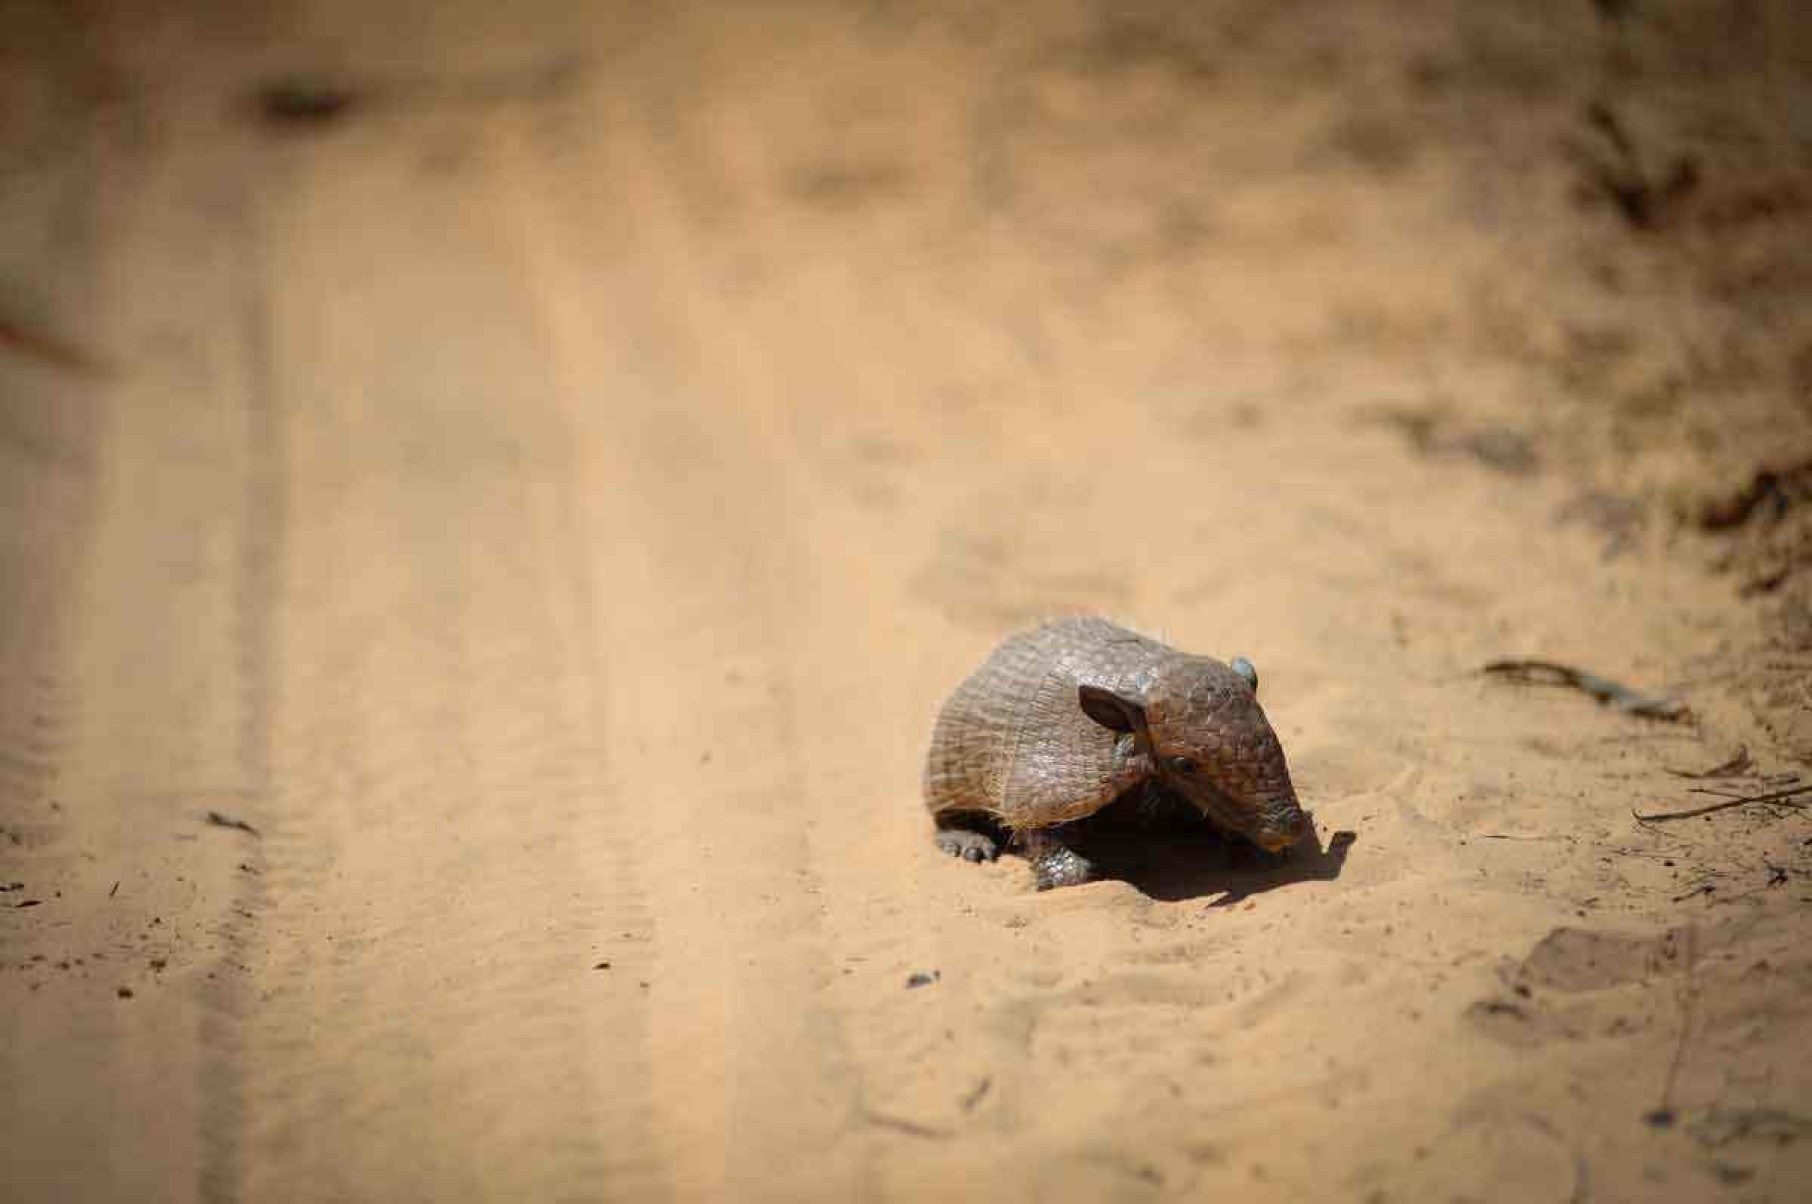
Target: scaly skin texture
{"x": 1062, "y": 720}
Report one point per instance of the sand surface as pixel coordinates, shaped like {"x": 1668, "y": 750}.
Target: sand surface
{"x": 537, "y": 507}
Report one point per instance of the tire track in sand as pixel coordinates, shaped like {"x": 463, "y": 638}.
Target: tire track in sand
{"x": 258, "y": 582}
{"x": 753, "y": 1092}
{"x": 420, "y": 1013}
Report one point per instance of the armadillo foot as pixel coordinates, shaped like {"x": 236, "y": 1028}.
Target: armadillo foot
{"x": 1055, "y": 863}
{"x": 1061, "y": 867}
{"x": 970, "y": 846}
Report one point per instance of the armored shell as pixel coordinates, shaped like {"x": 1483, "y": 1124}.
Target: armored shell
{"x": 1063, "y": 719}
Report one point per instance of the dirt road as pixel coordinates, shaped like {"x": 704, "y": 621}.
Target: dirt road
{"x": 479, "y": 559}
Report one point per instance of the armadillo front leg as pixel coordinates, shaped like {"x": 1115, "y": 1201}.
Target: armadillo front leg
{"x": 1055, "y": 861}
{"x": 961, "y": 835}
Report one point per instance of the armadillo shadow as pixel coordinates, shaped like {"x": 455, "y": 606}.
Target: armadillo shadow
{"x": 1198, "y": 863}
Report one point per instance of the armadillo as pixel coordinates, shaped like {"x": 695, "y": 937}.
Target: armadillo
{"x": 1064, "y": 719}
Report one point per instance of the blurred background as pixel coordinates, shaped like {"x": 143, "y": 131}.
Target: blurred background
{"x": 492, "y": 495}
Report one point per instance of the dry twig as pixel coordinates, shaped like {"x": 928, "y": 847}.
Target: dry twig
{"x": 1773, "y": 796}
{"x": 1611, "y": 693}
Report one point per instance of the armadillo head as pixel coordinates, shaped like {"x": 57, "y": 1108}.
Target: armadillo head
{"x": 1209, "y": 741}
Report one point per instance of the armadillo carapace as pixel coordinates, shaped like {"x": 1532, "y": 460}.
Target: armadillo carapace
{"x": 1066, "y": 718}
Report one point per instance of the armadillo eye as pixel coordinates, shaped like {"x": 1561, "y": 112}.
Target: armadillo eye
{"x": 1182, "y": 765}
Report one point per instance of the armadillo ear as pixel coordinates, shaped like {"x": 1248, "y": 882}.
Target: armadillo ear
{"x": 1112, "y": 711}
{"x": 1245, "y": 669}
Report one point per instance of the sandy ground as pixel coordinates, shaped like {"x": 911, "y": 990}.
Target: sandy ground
{"x": 543, "y": 501}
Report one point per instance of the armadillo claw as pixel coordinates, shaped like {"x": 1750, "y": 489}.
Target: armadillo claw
{"x": 970, "y": 846}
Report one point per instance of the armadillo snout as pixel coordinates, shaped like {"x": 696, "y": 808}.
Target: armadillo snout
{"x": 1284, "y": 827}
